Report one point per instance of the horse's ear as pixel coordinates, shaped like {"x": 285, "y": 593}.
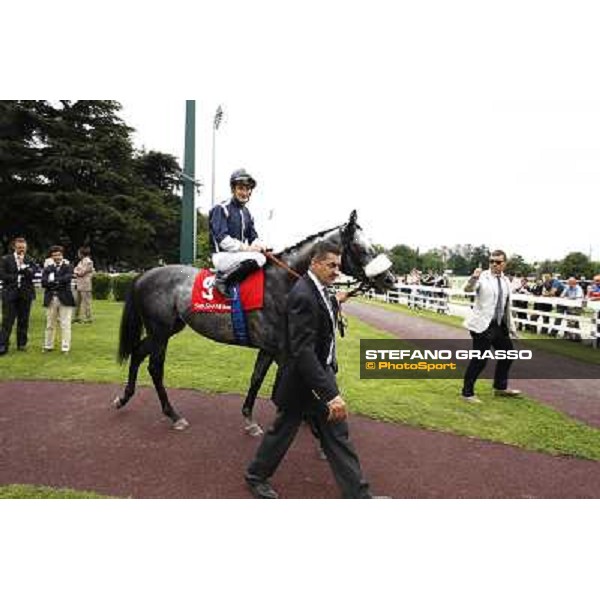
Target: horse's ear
{"x": 351, "y": 224}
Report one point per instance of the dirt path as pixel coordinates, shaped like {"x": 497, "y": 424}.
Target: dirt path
{"x": 67, "y": 435}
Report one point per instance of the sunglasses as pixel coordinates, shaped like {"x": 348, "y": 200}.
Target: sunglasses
{"x": 496, "y": 262}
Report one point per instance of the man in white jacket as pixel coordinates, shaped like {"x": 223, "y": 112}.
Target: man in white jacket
{"x": 490, "y": 325}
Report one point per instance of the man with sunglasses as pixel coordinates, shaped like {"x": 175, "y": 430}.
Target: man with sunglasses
{"x": 490, "y": 325}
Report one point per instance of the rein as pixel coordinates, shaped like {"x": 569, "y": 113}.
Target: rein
{"x": 359, "y": 289}
{"x": 270, "y": 256}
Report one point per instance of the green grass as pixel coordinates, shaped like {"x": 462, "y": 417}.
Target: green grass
{"x": 425, "y": 314}
{"x": 40, "y": 492}
{"x": 195, "y": 362}
{"x": 192, "y": 360}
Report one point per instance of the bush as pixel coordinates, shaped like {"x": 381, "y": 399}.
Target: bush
{"x": 121, "y": 284}
{"x": 101, "y": 286}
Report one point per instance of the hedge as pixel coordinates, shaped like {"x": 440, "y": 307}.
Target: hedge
{"x": 101, "y": 286}
{"x": 121, "y": 285}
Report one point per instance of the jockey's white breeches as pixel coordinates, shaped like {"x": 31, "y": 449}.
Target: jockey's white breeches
{"x": 226, "y": 262}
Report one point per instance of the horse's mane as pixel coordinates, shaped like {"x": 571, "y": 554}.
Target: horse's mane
{"x": 308, "y": 239}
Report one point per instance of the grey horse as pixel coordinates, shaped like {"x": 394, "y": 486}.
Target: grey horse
{"x": 159, "y": 305}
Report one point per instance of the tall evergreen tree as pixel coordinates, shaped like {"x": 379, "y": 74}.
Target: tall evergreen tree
{"x": 69, "y": 174}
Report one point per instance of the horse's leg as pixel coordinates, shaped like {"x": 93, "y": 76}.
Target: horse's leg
{"x": 137, "y": 357}
{"x": 263, "y": 361}
{"x": 156, "y": 368}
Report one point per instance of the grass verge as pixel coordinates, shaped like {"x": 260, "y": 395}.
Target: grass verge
{"x": 40, "y": 492}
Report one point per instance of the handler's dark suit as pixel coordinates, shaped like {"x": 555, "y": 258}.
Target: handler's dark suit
{"x": 17, "y": 295}
{"x": 304, "y": 385}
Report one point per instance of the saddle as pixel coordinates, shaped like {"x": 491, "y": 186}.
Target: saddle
{"x": 206, "y": 298}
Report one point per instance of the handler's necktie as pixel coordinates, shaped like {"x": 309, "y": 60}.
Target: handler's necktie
{"x": 327, "y": 297}
{"x": 500, "y": 303}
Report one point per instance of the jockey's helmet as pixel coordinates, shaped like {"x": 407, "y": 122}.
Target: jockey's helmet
{"x": 242, "y": 176}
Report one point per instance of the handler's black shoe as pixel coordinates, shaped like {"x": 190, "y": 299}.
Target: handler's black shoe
{"x": 262, "y": 489}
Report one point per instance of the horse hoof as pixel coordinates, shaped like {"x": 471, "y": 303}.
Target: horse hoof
{"x": 253, "y": 429}
{"x": 117, "y": 403}
{"x": 181, "y": 424}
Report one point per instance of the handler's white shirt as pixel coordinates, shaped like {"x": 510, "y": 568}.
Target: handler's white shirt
{"x": 484, "y": 309}
{"x": 321, "y": 289}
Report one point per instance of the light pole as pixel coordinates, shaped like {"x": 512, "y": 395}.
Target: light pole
{"x": 216, "y": 123}
{"x": 187, "y": 245}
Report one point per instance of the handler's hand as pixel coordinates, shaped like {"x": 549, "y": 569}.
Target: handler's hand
{"x": 337, "y": 409}
{"x": 342, "y": 296}
{"x": 476, "y": 273}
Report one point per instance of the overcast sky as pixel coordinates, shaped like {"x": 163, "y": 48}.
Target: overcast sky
{"x": 440, "y": 122}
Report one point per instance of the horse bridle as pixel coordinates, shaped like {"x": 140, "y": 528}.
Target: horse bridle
{"x": 361, "y": 288}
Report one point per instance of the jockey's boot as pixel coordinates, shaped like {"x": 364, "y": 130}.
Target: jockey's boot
{"x": 221, "y": 285}
{"x": 223, "y": 282}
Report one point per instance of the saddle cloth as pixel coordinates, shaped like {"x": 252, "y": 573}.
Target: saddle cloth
{"x": 206, "y": 298}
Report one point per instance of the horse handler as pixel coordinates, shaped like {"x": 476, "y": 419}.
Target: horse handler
{"x": 306, "y": 385}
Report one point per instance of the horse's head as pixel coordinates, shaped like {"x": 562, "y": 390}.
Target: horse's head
{"x": 360, "y": 260}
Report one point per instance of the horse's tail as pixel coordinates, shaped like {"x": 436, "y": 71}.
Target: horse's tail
{"x": 131, "y": 326}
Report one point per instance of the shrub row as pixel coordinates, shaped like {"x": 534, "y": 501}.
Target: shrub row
{"x": 104, "y": 286}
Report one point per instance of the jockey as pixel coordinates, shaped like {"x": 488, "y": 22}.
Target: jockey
{"x": 238, "y": 251}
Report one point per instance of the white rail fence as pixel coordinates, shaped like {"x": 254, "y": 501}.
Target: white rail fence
{"x": 574, "y": 319}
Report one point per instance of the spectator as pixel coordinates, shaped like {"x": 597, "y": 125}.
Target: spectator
{"x": 593, "y": 292}
{"x": 16, "y": 273}
{"x": 58, "y": 299}
{"x": 574, "y": 292}
{"x": 521, "y": 286}
{"x": 593, "y": 295}
{"x": 490, "y": 326}
{"x": 515, "y": 283}
{"x": 549, "y": 288}
{"x": 84, "y": 272}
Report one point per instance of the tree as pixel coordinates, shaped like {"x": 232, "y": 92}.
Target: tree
{"x": 403, "y": 258}
{"x": 432, "y": 260}
{"x": 69, "y": 174}
{"x": 517, "y": 266}
{"x": 576, "y": 264}
{"x": 22, "y": 136}
{"x": 548, "y": 266}
{"x": 458, "y": 264}
{"x": 203, "y": 249}
{"x": 479, "y": 257}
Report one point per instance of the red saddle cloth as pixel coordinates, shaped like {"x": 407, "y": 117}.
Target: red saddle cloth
{"x": 206, "y": 297}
